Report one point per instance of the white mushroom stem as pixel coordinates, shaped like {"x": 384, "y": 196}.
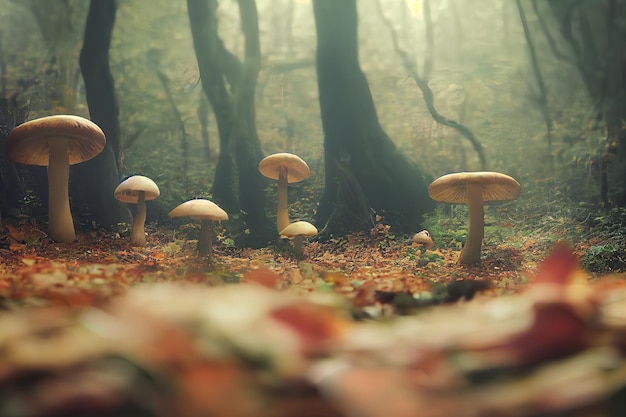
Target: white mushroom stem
{"x": 476, "y": 208}
{"x": 205, "y": 239}
{"x": 138, "y": 234}
{"x": 60, "y": 222}
{"x": 282, "y": 215}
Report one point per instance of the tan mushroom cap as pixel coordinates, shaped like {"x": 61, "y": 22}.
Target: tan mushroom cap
{"x": 199, "y": 209}
{"x": 128, "y": 190}
{"x": 297, "y": 169}
{"x": 451, "y": 188}
{"x": 423, "y": 238}
{"x": 28, "y": 142}
{"x": 300, "y": 228}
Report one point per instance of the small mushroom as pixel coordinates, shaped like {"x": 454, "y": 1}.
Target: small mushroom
{"x": 474, "y": 189}
{"x": 423, "y": 238}
{"x": 297, "y": 231}
{"x": 56, "y": 142}
{"x": 206, "y": 211}
{"x": 286, "y": 168}
{"x": 137, "y": 190}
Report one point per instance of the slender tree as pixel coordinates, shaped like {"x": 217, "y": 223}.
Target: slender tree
{"x": 541, "y": 84}
{"x": 93, "y": 182}
{"x": 365, "y": 172}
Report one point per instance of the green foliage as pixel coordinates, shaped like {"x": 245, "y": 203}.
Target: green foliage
{"x": 607, "y": 232}
{"x": 601, "y": 258}
{"x": 430, "y": 257}
{"x": 447, "y": 225}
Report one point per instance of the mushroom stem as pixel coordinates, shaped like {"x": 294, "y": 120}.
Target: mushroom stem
{"x": 60, "y": 222}
{"x": 138, "y": 234}
{"x": 205, "y": 240}
{"x": 282, "y": 215}
{"x": 476, "y": 208}
{"x": 297, "y": 245}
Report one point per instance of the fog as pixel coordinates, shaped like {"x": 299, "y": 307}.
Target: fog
{"x": 475, "y": 62}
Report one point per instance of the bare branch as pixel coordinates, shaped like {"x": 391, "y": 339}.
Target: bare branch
{"x": 543, "y": 91}
{"x": 548, "y": 35}
{"x": 427, "y": 92}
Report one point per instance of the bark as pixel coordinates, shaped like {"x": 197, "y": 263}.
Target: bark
{"x": 248, "y": 152}
{"x": 209, "y": 51}
{"x": 364, "y": 170}
{"x": 234, "y": 107}
{"x": 594, "y": 33}
{"x": 12, "y": 191}
{"x": 93, "y": 182}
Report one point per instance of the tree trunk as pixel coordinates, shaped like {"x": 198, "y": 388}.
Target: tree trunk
{"x": 595, "y": 33}
{"x": 12, "y": 192}
{"x": 365, "y": 172}
{"x": 94, "y": 182}
{"x": 248, "y": 152}
{"x": 208, "y": 47}
{"x": 234, "y": 110}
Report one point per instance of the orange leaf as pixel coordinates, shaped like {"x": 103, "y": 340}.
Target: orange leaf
{"x": 314, "y": 324}
{"x": 14, "y": 245}
{"x": 262, "y": 276}
{"x": 558, "y": 268}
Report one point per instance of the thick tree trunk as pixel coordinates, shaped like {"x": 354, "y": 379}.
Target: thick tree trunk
{"x": 12, "y": 192}
{"x": 209, "y": 48}
{"x": 595, "y": 33}
{"x": 364, "y": 170}
{"x": 234, "y": 111}
{"x": 248, "y": 152}
{"x": 93, "y": 182}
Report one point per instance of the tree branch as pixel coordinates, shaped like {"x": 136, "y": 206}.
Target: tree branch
{"x": 543, "y": 91}
{"x": 427, "y": 92}
{"x": 548, "y": 35}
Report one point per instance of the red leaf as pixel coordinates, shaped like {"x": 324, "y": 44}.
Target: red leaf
{"x": 314, "y": 324}
{"x": 262, "y": 276}
{"x": 556, "y": 332}
{"x": 558, "y": 268}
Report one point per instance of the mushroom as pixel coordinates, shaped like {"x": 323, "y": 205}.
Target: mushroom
{"x": 423, "y": 238}
{"x": 474, "y": 189}
{"x": 298, "y": 231}
{"x": 286, "y": 168}
{"x": 137, "y": 190}
{"x": 205, "y": 211}
{"x": 56, "y": 142}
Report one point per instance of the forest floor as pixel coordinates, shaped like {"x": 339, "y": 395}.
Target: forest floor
{"x": 72, "y": 309}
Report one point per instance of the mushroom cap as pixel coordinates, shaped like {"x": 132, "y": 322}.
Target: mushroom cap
{"x": 300, "y": 228}
{"x": 451, "y": 188}
{"x": 28, "y": 142}
{"x": 297, "y": 169}
{"x": 199, "y": 209}
{"x": 423, "y": 238}
{"x": 128, "y": 190}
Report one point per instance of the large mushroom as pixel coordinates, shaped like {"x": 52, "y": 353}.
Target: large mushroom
{"x": 287, "y": 168}
{"x": 56, "y": 142}
{"x": 474, "y": 189}
{"x": 297, "y": 231}
{"x": 206, "y": 211}
{"x": 137, "y": 190}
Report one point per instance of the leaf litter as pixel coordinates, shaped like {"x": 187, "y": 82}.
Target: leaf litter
{"x": 366, "y": 325}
